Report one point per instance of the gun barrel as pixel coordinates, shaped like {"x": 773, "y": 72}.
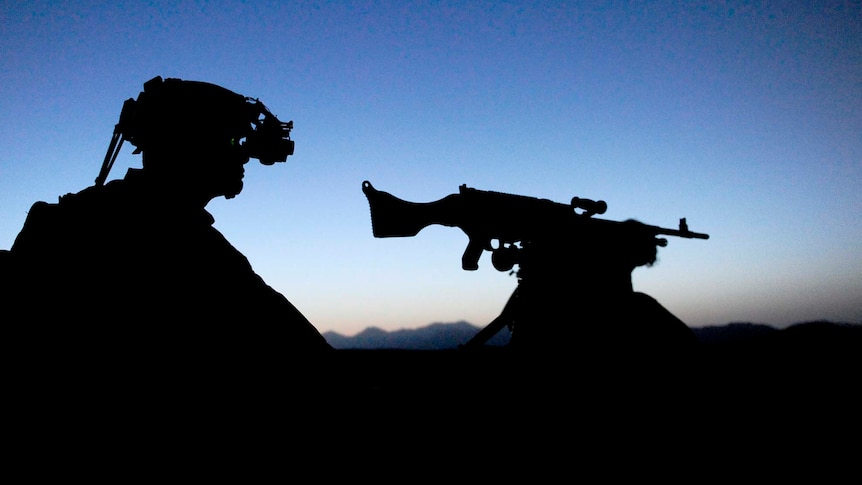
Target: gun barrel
{"x": 684, "y": 234}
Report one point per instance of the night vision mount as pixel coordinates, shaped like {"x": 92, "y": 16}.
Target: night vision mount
{"x": 265, "y": 137}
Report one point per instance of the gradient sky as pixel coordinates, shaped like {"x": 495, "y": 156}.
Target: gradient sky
{"x": 743, "y": 117}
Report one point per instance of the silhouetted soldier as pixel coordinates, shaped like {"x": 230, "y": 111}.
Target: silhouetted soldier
{"x": 587, "y": 345}
{"x": 130, "y": 279}
{"x": 575, "y": 295}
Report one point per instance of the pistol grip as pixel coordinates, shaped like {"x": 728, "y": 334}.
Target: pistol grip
{"x": 470, "y": 258}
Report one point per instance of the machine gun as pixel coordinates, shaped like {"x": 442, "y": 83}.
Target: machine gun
{"x": 516, "y": 229}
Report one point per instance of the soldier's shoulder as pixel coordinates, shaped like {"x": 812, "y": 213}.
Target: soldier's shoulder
{"x": 94, "y": 194}
{"x": 75, "y": 205}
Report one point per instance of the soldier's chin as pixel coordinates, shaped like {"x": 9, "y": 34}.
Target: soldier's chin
{"x": 233, "y": 191}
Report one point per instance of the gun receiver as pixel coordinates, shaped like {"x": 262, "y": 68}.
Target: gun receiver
{"x": 487, "y": 216}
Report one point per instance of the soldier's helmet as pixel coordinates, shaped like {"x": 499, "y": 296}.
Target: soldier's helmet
{"x": 176, "y": 113}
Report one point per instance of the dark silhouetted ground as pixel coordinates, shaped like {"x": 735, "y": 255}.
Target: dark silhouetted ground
{"x": 791, "y": 394}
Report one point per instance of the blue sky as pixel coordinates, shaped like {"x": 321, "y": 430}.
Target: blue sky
{"x": 743, "y": 117}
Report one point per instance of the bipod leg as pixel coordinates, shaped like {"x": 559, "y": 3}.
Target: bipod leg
{"x": 506, "y": 317}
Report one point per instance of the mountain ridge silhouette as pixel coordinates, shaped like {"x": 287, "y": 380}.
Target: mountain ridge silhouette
{"x": 434, "y": 336}
{"x": 445, "y": 336}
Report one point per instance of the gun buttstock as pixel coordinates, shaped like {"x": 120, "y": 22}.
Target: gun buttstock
{"x": 394, "y": 217}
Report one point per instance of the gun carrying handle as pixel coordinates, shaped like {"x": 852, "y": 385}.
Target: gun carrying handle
{"x": 470, "y": 258}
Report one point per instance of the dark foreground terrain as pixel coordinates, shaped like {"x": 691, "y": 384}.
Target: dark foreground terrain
{"x": 736, "y": 353}
{"x": 794, "y": 393}
{"x": 803, "y": 377}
